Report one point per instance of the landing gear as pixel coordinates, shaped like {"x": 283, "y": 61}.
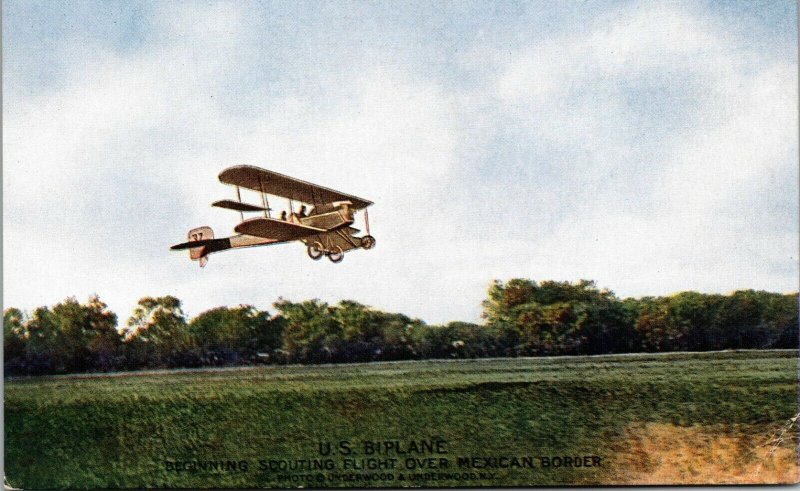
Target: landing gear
{"x": 336, "y": 255}
{"x": 316, "y": 251}
{"x": 367, "y": 242}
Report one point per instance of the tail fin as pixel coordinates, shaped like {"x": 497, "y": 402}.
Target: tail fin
{"x": 202, "y": 243}
{"x": 199, "y": 253}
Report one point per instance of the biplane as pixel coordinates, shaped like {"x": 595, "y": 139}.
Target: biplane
{"x": 319, "y": 217}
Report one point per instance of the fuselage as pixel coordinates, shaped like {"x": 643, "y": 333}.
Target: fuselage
{"x": 329, "y": 217}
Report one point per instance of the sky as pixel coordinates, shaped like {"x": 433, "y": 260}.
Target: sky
{"x": 649, "y": 146}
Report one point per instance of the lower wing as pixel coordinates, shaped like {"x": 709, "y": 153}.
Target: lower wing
{"x": 278, "y": 230}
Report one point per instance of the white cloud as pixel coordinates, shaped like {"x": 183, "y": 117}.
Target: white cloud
{"x": 694, "y": 221}
{"x": 108, "y": 170}
{"x": 148, "y": 129}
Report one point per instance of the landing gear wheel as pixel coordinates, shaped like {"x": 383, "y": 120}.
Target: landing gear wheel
{"x": 336, "y": 255}
{"x": 315, "y": 251}
{"x": 367, "y": 242}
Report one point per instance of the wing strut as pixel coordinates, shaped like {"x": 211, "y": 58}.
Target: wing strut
{"x": 264, "y": 199}
{"x": 366, "y": 220}
{"x": 239, "y": 199}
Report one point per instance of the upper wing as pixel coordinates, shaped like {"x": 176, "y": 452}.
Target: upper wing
{"x": 270, "y": 228}
{"x": 269, "y": 182}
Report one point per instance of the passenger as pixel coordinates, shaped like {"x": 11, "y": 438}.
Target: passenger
{"x": 302, "y": 212}
{"x": 283, "y": 215}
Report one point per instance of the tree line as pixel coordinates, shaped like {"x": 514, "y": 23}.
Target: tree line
{"x": 521, "y": 317}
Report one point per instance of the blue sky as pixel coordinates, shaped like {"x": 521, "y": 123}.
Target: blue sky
{"x": 649, "y": 146}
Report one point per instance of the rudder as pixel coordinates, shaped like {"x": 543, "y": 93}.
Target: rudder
{"x": 199, "y": 253}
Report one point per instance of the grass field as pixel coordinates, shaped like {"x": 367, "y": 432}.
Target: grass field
{"x": 687, "y": 418}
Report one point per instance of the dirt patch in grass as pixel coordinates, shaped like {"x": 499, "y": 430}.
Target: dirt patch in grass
{"x": 657, "y": 453}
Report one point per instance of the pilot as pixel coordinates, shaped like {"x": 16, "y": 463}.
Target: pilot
{"x": 283, "y": 215}
{"x": 302, "y": 212}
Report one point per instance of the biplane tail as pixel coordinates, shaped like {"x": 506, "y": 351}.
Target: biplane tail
{"x": 201, "y": 243}
{"x": 199, "y": 253}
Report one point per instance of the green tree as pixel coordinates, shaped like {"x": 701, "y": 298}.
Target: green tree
{"x": 432, "y": 342}
{"x": 757, "y": 319}
{"x": 651, "y": 324}
{"x": 368, "y": 334}
{"x": 557, "y": 318}
{"x": 229, "y": 335}
{"x": 157, "y": 334}
{"x": 548, "y": 329}
{"x": 398, "y": 332}
{"x": 42, "y": 351}
{"x": 690, "y": 321}
{"x": 357, "y": 322}
{"x": 310, "y": 333}
{"x": 504, "y": 299}
{"x": 73, "y": 337}
{"x": 781, "y": 320}
{"x": 14, "y": 338}
{"x": 604, "y": 324}
{"x": 103, "y": 338}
